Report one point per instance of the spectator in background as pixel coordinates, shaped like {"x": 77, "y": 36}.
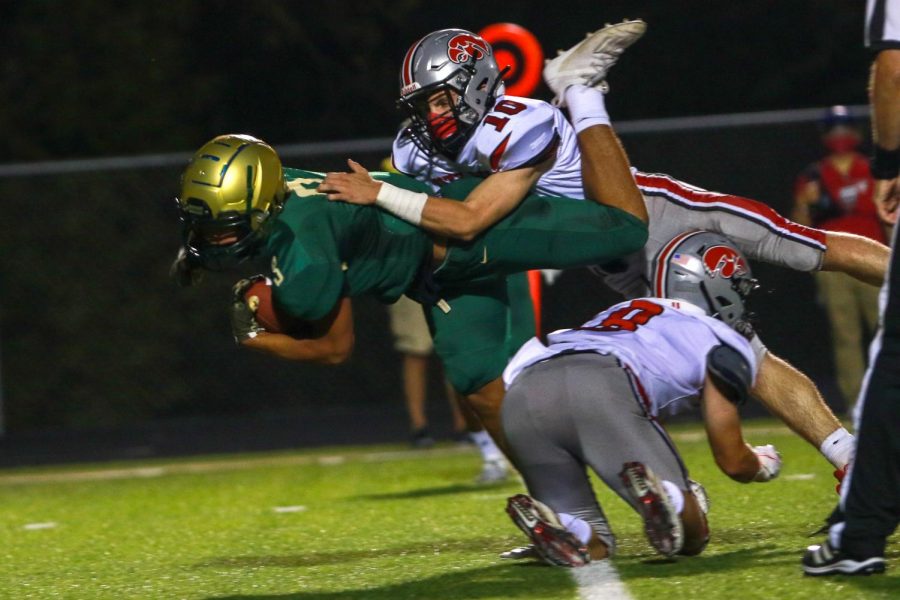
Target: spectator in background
{"x": 835, "y": 194}
{"x": 413, "y": 340}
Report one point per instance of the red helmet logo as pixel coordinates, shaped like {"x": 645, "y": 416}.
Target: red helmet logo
{"x": 724, "y": 261}
{"x": 465, "y": 46}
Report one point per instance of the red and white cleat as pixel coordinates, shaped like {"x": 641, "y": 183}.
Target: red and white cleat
{"x": 552, "y": 542}
{"x": 661, "y": 523}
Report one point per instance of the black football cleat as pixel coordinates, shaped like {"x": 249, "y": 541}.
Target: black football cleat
{"x": 825, "y": 560}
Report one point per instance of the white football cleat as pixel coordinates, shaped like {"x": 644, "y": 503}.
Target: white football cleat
{"x": 588, "y": 61}
{"x": 551, "y": 541}
{"x": 661, "y": 523}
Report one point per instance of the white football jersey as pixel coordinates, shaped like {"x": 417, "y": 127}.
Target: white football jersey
{"x": 517, "y": 132}
{"x": 662, "y": 342}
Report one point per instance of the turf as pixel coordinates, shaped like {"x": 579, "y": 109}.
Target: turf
{"x": 381, "y": 523}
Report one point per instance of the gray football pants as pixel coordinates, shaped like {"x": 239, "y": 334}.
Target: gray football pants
{"x": 578, "y": 410}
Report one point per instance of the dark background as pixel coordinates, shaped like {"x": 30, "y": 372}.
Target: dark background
{"x": 94, "y": 337}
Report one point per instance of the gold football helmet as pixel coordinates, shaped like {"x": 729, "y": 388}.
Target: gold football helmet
{"x": 231, "y": 190}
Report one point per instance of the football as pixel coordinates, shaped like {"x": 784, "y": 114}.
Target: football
{"x": 259, "y": 298}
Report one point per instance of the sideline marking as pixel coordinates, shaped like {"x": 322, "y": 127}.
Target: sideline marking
{"x": 37, "y": 526}
{"x": 599, "y": 581}
{"x": 800, "y": 477}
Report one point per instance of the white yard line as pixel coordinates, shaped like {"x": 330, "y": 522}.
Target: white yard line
{"x": 599, "y": 581}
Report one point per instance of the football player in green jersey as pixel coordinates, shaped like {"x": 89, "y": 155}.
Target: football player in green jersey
{"x": 237, "y": 201}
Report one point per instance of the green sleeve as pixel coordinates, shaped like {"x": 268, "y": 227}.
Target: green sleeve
{"x": 308, "y": 275}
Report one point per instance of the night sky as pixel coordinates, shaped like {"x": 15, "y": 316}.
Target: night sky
{"x": 94, "y": 78}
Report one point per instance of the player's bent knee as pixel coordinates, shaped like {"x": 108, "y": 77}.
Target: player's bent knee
{"x": 487, "y": 400}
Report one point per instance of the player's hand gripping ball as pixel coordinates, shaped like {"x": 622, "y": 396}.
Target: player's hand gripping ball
{"x": 245, "y": 306}
{"x": 253, "y": 310}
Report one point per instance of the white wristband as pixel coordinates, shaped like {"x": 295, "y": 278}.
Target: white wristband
{"x": 403, "y": 203}
{"x": 586, "y": 107}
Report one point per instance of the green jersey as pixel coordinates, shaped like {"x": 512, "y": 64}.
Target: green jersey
{"x": 323, "y": 250}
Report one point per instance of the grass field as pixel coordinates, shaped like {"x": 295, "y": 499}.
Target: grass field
{"x": 383, "y": 523}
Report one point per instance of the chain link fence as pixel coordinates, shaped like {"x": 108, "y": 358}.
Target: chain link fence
{"x": 94, "y": 334}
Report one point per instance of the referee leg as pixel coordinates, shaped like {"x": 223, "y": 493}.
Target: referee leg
{"x": 871, "y": 501}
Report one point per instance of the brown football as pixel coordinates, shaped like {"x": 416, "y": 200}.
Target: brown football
{"x": 259, "y": 298}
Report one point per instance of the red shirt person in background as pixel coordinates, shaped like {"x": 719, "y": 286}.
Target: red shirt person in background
{"x": 835, "y": 194}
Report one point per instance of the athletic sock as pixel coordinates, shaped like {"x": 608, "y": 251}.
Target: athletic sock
{"x": 577, "y": 527}
{"x": 586, "y": 107}
{"x": 839, "y": 447}
{"x": 834, "y": 535}
{"x": 489, "y": 450}
{"x": 675, "y": 495}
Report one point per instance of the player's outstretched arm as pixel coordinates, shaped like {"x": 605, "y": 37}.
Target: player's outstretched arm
{"x": 732, "y": 454}
{"x": 857, "y": 256}
{"x": 494, "y": 198}
{"x": 330, "y": 343}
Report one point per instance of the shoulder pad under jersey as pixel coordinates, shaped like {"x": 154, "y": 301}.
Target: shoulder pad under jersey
{"x": 516, "y": 133}
{"x": 730, "y": 372}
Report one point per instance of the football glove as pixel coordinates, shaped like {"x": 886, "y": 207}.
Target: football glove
{"x": 769, "y": 462}
{"x": 183, "y": 272}
{"x": 244, "y": 325}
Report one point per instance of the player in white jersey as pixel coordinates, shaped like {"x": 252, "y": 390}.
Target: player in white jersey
{"x": 462, "y": 61}
{"x": 590, "y": 397}
{"x": 533, "y": 139}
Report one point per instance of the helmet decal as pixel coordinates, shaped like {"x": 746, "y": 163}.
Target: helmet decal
{"x": 465, "y": 46}
{"x": 724, "y": 261}
{"x": 706, "y": 269}
{"x": 662, "y": 262}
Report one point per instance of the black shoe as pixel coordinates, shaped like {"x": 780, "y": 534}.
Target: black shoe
{"x": 825, "y": 560}
{"x": 420, "y": 438}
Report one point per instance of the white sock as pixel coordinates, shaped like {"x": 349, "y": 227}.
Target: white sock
{"x": 489, "y": 450}
{"x": 834, "y": 535}
{"x": 839, "y": 447}
{"x": 577, "y": 527}
{"x": 675, "y": 495}
{"x": 587, "y": 107}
